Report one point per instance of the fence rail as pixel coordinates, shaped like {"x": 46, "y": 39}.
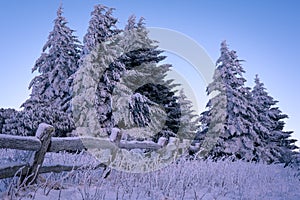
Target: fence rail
{"x": 43, "y": 142}
{"x": 31, "y": 143}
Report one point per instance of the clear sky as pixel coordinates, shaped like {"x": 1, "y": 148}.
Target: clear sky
{"x": 264, "y": 33}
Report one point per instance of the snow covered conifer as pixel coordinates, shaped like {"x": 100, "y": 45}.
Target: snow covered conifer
{"x": 100, "y": 50}
{"x": 278, "y": 145}
{"x": 50, "y": 98}
{"x": 188, "y": 119}
{"x": 116, "y": 100}
{"x": 131, "y": 87}
{"x": 283, "y": 145}
{"x": 102, "y": 26}
{"x": 146, "y": 78}
{"x": 94, "y": 85}
{"x": 56, "y": 65}
{"x": 228, "y": 122}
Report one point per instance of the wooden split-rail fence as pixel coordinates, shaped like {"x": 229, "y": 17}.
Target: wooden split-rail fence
{"x": 43, "y": 142}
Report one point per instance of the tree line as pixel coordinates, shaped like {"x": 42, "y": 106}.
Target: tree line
{"x": 133, "y": 94}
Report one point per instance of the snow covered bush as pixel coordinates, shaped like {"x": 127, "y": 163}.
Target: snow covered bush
{"x": 26, "y": 122}
{"x": 4, "y": 115}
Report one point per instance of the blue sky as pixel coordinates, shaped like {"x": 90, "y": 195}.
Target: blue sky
{"x": 264, "y": 33}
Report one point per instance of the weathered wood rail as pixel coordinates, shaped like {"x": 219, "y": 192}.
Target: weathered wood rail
{"x": 31, "y": 143}
{"x": 43, "y": 142}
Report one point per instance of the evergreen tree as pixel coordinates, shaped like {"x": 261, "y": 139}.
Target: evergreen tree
{"x": 188, "y": 119}
{"x": 102, "y": 26}
{"x": 92, "y": 89}
{"x": 230, "y": 118}
{"x": 132, "y": 88}
{"x": 115, "y": 99}
{"x": 263, "y": 103}
{"x": 279, "y": 147}
{"x": 56, "y": 65}
{"x": 50, "y": 99}
{"x": 282, "y": 143}
{"x": 295, "y": 163}
{"x": 106, "y": 89}
{"x": 146, "y": 78}
{"x": 119, "y": 102}
{"x": 100, "y": 50}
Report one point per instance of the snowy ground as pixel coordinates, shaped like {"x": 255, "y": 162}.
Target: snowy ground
{"x": 184, "y": 180}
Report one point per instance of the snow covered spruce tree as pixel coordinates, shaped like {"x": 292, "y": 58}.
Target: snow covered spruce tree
{"x": 51, "y": 95}
{"x": 277, "y": 143}
{"x": 189, "y": 121}
{"x": 98, "y": 60}
{"x": 152, "y": 95}
{"x": 228, "y": 124}
{"x": 102, "y": 26}
{"x": 117, "y": 103}
{"x": 127, "y": 93}
{"x": 56, "y": 65}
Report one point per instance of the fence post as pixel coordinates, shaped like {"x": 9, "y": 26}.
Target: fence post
{"x": 43, "y": 133}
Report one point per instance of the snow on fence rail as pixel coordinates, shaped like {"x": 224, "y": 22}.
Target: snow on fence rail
{"x": 43, "y": 142}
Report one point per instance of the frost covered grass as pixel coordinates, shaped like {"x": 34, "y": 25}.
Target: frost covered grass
{"x": 203, "y": 180}
{"x": 182, "y": 180}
